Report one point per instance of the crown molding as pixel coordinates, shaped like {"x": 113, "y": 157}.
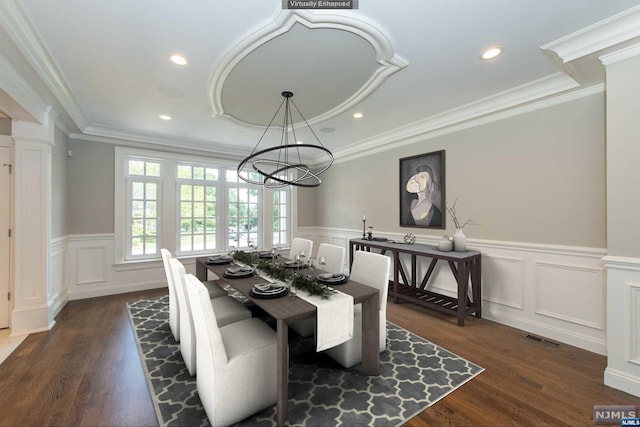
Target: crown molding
{"x": 541, "y": 93}
{"x": 14, "y": 20}
{"x": 109, "y": 135}
{"x": 616, "y": 29}
{"x": 389, "y": 62}
{"x": 20, "y": 101}
{"x": 620, "y": 55}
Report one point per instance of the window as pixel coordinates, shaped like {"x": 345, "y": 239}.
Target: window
{"x": 143, "y": 179}
{"x": 280, "y": 217}
{"x": 192, "y": 206}
{"x": 197, "y": 207}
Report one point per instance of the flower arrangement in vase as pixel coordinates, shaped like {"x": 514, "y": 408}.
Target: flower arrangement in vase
{"x": 459, "y": 238}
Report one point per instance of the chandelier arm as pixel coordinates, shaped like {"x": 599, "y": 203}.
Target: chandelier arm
{"x": 306, "y": 123}
{"x": 268, "y": 126}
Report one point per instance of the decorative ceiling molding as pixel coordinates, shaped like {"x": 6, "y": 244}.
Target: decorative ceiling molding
{"x": 620, "y": 55}
{"x": 107, "y": 134}
{"x": 542, "y": 93}
{"x": 604, "y": 34}
{"x": 17, "y": 98}
{"x": 389, "y": 62}
{"x": 14, "y": 20}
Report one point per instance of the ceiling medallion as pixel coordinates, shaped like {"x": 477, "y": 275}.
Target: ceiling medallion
{"x": 288, "y": 162}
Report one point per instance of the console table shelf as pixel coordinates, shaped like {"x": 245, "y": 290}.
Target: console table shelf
{"x": 465, "y": 266}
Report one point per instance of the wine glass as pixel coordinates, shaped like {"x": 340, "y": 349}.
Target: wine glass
{"x": 322, "y": 261}
{"x": 301, "y": 256}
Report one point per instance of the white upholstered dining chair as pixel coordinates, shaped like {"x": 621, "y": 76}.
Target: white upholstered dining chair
{"x": 214, "y": 289}
{"x": 370, "y": 269}
{"x": 236, "y": 363}
{"x": 334, "y": 264}
{"x": 228, "y": 310}
{"x": 174, "y": 314}
{"x": 299, "y": 244}
{"x": 333, "y": 257}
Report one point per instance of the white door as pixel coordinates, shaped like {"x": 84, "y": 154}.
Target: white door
{"x": 5, "y": 224}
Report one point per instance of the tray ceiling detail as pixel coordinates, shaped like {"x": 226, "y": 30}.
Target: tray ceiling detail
{"x": 331, "y": 62}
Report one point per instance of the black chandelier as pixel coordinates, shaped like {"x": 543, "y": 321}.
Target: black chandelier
{"x": 283, "y": 164}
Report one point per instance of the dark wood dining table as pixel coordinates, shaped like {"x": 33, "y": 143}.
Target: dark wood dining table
{"x": 287, "y": 310}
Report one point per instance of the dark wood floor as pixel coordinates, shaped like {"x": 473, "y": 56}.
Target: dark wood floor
{"x": 87, "y": 371}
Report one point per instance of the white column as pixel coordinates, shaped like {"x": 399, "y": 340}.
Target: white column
{"x": 623, "y": 216}
{"x": 33, "y": 309}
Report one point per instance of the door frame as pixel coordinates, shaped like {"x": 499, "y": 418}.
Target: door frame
{"x": 7, "y": 143}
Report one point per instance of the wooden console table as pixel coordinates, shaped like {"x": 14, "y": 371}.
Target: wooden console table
{"x": 465, "y": 266}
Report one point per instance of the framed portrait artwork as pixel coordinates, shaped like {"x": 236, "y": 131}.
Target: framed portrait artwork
{"x": 422, "y": 191}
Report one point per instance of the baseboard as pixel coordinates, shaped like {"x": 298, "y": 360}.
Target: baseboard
{"x": 564, "y": 336}
{"x": 622, "y": 381}
{"x": 116, "y": 289}
{"x": 30, "y": 320}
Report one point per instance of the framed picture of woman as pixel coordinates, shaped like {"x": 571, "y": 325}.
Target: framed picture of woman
{"x": 422, "y": 191}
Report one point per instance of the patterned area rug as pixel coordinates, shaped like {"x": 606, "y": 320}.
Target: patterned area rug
{"x": 415, "y": 374}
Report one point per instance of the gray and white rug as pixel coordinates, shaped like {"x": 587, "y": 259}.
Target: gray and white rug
{"x": 415, "y": 374}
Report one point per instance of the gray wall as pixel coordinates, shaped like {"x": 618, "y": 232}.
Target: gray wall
{"x": 623, "y": 153}
{"x": 90, "y": 179}
{"x": 59, "y": 199}
{"x": 307, "y": 206}
{"x": 5, "y": 126}
{"x": 537, "y": 177}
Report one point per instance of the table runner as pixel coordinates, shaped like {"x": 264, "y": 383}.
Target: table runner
{"x": 334, "y": 318}
{"x": 334, "y": 315}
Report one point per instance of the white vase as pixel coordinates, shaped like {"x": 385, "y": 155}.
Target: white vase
{"x": 459, "y": 241}
{"x": 445, "y": 244}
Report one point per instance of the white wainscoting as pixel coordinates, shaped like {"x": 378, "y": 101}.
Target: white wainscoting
{"x": 556, "y": 292}
{"x": 57, "y": 286}
{"x": 552, "y": 291}
{"x": 92, "y": 271}
{"x": 623, "y": 324}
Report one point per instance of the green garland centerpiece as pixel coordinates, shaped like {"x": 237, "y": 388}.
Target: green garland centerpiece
{"x": 248, "y": 258}
{"x": 279, "y": 272}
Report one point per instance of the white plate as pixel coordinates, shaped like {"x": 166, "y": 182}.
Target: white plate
{"x": 268, "y": 289}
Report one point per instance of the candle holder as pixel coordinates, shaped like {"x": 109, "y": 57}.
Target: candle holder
{"x": 370, "y": 233}
{"x": 364, "y": 222}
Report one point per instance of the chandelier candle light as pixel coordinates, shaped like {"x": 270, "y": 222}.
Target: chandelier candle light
{"x": 293, "y": 161}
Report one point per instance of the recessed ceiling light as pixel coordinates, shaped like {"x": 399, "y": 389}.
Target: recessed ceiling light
{"x": 164, "y": 117}
{"x": 178, "y": 59}
{"x": 492, "y": 52}
{"x": 358, "y": 115}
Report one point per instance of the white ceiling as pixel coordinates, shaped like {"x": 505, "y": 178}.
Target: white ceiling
{"x": 404, "y": 64}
